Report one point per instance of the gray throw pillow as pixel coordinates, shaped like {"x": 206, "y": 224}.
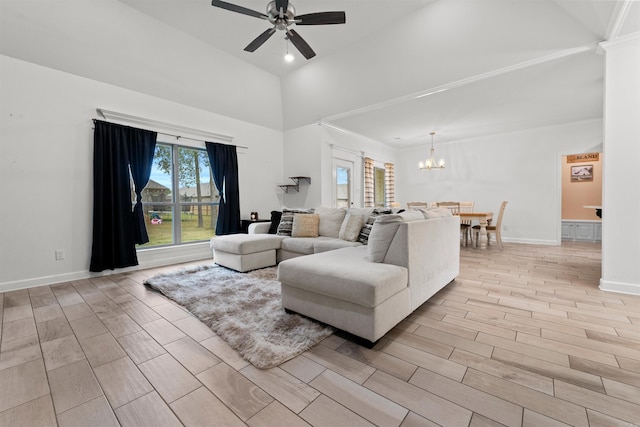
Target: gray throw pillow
{"x": 383, "y": 231}
{"x": 351, "y": 226}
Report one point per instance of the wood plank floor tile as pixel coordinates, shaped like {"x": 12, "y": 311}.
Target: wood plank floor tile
{"x": 163, "y": 331}
{"x": 385, "y": 362}
{"x": 542, "y": 403}
{"x": 608, "y": 405}
{"x": 596, "y": 419}
{"x": 18, "y": 329}
{"x": 61, "y": 351}
{"x": 77, "y": 311}
{"x": 140, "y": 312}
{"x": 50, "y": 312}
{"x": 96, "y": 412}
{"x": 534, "y": 419}
{"x": 122, "y": 382}
{"x": 276, "y": 414}
{"x": 140, "y": 346}
{"x": 193, "y": 327}
{"x": 303, "y": 368}
{"x": 53, "y": 329}
{"x": 101, "y": 349}
{"x": 169, "y": 378}
{"x": 221, "y": 349}
{"x": 282, "y": 386}
{"x": 148, "y": 410}
{"x": 171, "y": 312}
{"x": 417, "y": 357}
{"x": 19, "y": 351}
{"x": 325, "y": 412}
{"x": 73, "y": 385}
{"x": 550, "y": 370}
{"x": 87, "y": 327}
{"x": 455, "y": 341}
{"x": 243, "y": 397}
{"x": 121, "y": 325}
{"x": 200, "y": 407}
{"x": 539, "y": 353}
{"x": 414, "y": 420}
{"x": 377, "y": 409}
{"x": 477, "y": 401}
{"x": 22, "y": 383}
{"x": 20, "y": 312}
{"x": 37, "y": 412}
{"x": 428, "y": 405}
{"x": 192, "y": 355}
{"x": 339, "y": 363}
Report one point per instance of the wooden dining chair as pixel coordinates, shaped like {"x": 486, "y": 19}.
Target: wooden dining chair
{"x": 492, "y": 229}
{"x": 454, "y": 207}
{"x": 465, "y": 224}
{"x": 416, "y": 205}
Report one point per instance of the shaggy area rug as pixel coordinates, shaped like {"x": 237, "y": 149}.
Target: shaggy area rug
{"x": 244, "y": 309}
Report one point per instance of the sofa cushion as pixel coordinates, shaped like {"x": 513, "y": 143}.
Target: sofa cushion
{"x": 383, "y": 231}
{"x": 286, "y": 221}
{"x": 275, "y": 221}
{"x": 412, "y": 215}
{"x": 300, "y": 245}
{"x": 330, "y": 221}
{"x": 329, "y": 244}
{"x": 435, "y": 213}
{"x": 350, "y": 228}
{"x": 344, "y": 274}
{"x": 243, "y": 244}
{"x": 305, "y": 225}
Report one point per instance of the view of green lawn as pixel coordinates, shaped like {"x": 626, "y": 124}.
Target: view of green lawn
{"x": 160, "y": 234}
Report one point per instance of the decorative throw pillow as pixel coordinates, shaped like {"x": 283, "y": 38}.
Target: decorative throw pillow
{"x": 275, "y": 221}
{"x": 305, "y": 225}
{"x": 286, "y": 221}
{"x": 383, "y": 231}
{"x": 330, "y": 221}
{"x": 351, "y": 226}
{"x": 363, "y": 237}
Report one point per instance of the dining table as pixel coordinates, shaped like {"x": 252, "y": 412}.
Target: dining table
{"x": 484, "y": 218}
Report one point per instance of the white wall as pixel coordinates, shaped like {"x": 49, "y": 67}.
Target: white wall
{"x": 522, "y": 168}
{"x": 46, "y": 152}
{"x": 621, "y": 198}
{"x": 309, "y": 152}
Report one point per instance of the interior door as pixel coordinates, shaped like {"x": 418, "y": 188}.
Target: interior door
{"x": 342, "y": 183}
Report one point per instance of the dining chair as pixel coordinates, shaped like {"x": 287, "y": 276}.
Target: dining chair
{"x": 492, "y": 229}
{"x": 416, "y": 205}
{"x": 465, "y": 224}
{"x": 454, "y": 207}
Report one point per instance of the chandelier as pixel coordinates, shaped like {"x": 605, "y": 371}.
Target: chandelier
{"x": 431, "y": 163}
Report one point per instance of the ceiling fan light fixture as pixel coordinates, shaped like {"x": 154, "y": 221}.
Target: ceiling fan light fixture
{"x": 288, "y": 57}
{"x": 431, "y": 162}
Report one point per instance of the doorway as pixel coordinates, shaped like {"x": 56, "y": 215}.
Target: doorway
{"x": 342, "y": 183}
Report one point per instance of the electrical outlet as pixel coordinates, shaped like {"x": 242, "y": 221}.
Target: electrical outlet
{"x": 59, "y": 254}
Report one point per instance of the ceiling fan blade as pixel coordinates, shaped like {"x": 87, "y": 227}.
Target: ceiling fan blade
{"x": 281, "y": 7}
{"x": 259, "y": 41}
{"x": 300, "y": 44}
{"x": 321, "y": 18}
{"x": 238, "y": 9}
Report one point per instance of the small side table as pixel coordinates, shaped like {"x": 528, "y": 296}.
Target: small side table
{"x": 244, "y": 223}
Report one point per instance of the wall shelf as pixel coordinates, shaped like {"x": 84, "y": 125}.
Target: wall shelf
{"x": 296, "y": 185}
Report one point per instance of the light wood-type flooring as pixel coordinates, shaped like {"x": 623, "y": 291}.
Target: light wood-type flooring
{"x": 523, "y": 337}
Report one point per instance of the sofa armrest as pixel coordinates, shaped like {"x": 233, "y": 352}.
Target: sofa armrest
{"x": 259, "y": 228}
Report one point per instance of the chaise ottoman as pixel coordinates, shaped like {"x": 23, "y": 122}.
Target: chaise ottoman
{"x": 245, "y": 252}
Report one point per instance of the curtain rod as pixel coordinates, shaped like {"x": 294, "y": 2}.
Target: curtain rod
{"x": 107, "y": 114}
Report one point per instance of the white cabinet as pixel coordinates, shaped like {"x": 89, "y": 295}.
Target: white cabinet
{"x": 583, "y": 231}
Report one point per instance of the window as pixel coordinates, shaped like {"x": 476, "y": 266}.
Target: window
{"x": 378, "y": 187}
{"x": 188, "y": 214}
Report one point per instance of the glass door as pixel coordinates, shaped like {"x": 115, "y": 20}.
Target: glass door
{"x": 342, "y": 183}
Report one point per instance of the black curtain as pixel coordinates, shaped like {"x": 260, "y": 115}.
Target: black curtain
{"x": 224, "y": 165}
{"x": 116, "y": 228}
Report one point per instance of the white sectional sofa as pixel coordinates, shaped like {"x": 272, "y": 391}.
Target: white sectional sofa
{"x": 362, "y": 289}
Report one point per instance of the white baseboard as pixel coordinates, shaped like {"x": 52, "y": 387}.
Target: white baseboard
{"x": 147, "y": 258}
{"x": 619, "y": 287}
{"x": 530, "y": 241}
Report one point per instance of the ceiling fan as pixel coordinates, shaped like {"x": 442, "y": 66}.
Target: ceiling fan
{"x": 282, "y": 14}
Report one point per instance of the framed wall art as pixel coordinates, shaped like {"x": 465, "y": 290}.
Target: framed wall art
{"x": 581, "y": 173}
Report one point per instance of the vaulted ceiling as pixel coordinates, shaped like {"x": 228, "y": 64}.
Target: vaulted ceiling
{"x": 395, "y": 71}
